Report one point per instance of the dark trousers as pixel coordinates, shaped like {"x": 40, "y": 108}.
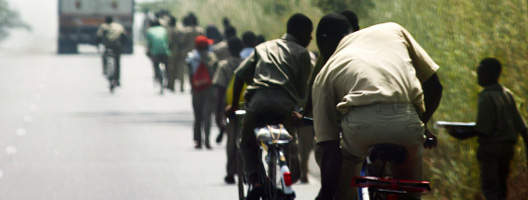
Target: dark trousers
{"x": 156, "y": 60}
{"x": 495, "y": 161}
{"x": 203, "y": 105}
{"x": 265, "y": 101}
{"x": 231, "y": 147}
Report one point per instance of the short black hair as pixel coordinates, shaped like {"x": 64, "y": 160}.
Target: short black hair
{"x": 299, "y": 23}
{"x": 212, "y": 32}
{"x": 172, "y": 21}
{"x": 260, "y": 39}
{"x": 226, "y": 22}
{"x": 193, "y": 21}
{"x": 109, "y": 19}
{"x": 235, "y": 45}
{"x": 155, "y": 22}
{"x": 230, "y": 31}
{"x": 332, "y": 28}
{"x": 352, "y": 19}
{"x": 492, "y": 66}
{"x": 249, "y": 38}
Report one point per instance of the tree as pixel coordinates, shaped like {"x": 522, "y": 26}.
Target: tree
{"x": 9, "y": 19}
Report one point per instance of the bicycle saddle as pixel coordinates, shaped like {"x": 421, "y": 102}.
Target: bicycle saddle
{"x": 387, "y": 152}
{"x": 273, "y": 133}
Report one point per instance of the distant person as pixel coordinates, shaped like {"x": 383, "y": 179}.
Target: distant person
{"x": 221, "y": 50}
{"x": 498, "y": 126}
{"x": 158, "y": 47}
{"x": 113, "y": 36}
{"x": 202, "y": 66}
{"x": 189, "y": 32}
{"x": 250, "y": 41}
{"x": 276, "y": 74}
{"x": 174, "y": 71}
{"x": 221, "y": 81}
{"x": 361, "y": 98}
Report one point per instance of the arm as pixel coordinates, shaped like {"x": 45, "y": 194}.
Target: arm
{"x": 432, "y": 90}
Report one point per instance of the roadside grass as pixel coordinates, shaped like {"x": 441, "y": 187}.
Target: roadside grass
{"x": 457, "y": 34}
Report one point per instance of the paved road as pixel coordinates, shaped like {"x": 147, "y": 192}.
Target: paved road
{"x": 64, "y": 136}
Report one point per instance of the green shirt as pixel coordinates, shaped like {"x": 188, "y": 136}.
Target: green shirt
{"x": 157, "y": 41}
{"x": 498, "y": 118}
{"x": 277, "y": 64}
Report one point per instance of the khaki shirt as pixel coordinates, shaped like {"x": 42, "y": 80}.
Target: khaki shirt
{"x": 498, "y": 118}
{"x": 225, "y": 71}
{"x": 221, "y": 50}
{"x": 277, "y": 64}
{"x": 110, "y": 32}
{"x": 189, "y": 34}
{"x": 378, "y": 64}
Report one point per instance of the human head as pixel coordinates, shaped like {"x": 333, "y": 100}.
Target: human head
{"x": 234, "y": 44}
{"x": 331, "y": 29}
{"x": 172, "y": 21}
{"x": 489, "y": 71}
{"x": 193, "y": 21}
{"x": 212, "y": 32}
{"x": 300, "y": 27}
{"x": 260, "y": 39}
{"x": 109, "y": 19}
{"x": 225, "y": 22}
{"x": 155, "y": 22}
{"x": 249, "y": 39}
{"x": 352, "y": 19}
{"x": 202, "y": 43}
{"x": 230, "y": 32}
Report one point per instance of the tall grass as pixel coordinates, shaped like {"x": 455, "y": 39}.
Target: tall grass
{"x": 456, "y": 33}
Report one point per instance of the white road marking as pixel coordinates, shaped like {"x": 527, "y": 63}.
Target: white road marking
{"x": 11, "y": 150}
{"x": 21, "y": 132}
{"x": 33, "y": 107}
{"x": 28, "y": 118}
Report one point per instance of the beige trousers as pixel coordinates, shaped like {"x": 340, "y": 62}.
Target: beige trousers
{"x": 396, "y": 123}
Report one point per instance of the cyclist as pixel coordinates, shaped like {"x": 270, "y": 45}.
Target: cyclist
{"x": 276, "y": 74}
{"x": 157, "y": 46}
{"x": 379, "y": 86}
{"x": 113, "y": 36}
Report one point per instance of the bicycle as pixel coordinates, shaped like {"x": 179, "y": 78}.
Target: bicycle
{"x": 380, "y": 181}
{"x": 110, "y": 68}
{"x": 276, "y": 180}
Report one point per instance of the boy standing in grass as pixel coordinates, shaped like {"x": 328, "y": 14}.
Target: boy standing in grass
{"x": 498, "y": 125}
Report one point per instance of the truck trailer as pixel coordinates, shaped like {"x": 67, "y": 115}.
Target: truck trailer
{"x": 80, "y": 19}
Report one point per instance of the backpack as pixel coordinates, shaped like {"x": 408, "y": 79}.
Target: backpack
{"x": 201, "y": 79}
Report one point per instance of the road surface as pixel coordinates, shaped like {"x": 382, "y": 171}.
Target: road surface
{"x": 64, "y": 136}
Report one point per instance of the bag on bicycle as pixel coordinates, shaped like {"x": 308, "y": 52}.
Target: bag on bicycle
{"x": 201, "y": 79}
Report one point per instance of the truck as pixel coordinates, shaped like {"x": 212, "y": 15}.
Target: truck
{"x": 80, "y": 19}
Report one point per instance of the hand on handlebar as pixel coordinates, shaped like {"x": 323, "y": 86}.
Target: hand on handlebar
{"x": 297, "y": 118}
{"x": 230, "y": 110}
{"x": 430, "y": 140}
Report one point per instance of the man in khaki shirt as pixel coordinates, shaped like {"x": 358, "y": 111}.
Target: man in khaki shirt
{"x": 276, "y": 74}
{"x": 113, "y": 36}
{"x": 370, "y": 92}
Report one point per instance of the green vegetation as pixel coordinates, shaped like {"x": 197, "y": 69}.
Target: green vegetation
{"x": 457, "y": 34}
{"x": 9, "y": 19}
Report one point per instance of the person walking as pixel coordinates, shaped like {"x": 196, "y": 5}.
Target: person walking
{"x": 221, "y": 80}
{"x": 498, "y": 127}
{"x": 202, "y": 66}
